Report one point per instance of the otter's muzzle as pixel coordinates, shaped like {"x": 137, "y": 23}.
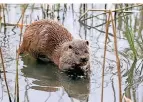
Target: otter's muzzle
{"x": 83, "y": 59}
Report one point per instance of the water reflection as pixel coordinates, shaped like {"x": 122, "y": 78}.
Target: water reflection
{"x": 48, "y": 78}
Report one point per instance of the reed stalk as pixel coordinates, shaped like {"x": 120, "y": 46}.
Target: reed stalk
{"x": 105, "y": 47}
{"x": 4, "y": 20}
{"x": 16, "y": 80}
{"x": 22, "y": 20}
{"x": 5, "y": 78}
{"x": 103, "y": 10}
{"x": 117, "y": 58}
{"x": 16, "y": 99}
{"x": 0, "y": 15}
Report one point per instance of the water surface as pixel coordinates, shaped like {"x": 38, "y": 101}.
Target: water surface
{"x": 43, "y": 82}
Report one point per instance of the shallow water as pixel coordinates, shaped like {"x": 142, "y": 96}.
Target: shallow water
{"x": 42, "y": 82}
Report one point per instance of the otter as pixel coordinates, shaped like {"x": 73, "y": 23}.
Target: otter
{"x": 51, "y": 40}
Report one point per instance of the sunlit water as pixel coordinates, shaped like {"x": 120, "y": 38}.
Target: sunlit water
{"x": 42, "y": 82}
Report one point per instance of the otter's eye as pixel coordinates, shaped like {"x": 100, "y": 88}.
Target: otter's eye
{"x": 85, "y": 51}
{"x": 70, "y": 47}
{"x": 76, "y": 53}
{"x": 87, "y": 42}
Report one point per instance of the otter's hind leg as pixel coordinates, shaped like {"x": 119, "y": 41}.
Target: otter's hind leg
{"x": 39, "y": 56}
{"x": 43, "y": 58}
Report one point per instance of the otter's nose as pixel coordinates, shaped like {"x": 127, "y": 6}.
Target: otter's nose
{"x": 83, "y": 59}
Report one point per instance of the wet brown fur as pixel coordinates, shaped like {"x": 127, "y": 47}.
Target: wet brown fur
{"x": 49, "y": 38}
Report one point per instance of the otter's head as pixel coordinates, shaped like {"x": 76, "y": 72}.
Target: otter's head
{"x": 74, "y": 55}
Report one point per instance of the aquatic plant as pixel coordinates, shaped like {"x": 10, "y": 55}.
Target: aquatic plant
{"x": 130, "y": 38}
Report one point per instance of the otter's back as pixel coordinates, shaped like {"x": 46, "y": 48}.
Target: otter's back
{"x": 44, "y": 36}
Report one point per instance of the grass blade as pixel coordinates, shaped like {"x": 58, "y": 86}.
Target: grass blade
{"x": 130, "y": 38}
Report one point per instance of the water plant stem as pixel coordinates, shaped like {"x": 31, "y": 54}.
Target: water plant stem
{"x": 5, "y": 79}
{"x": 105, "y": 47}
{"x": 117, "y": 57}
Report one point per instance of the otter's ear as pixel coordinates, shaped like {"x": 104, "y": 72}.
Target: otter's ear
{"x": 87, "y": 42}
{"x": 70, "y": 47}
